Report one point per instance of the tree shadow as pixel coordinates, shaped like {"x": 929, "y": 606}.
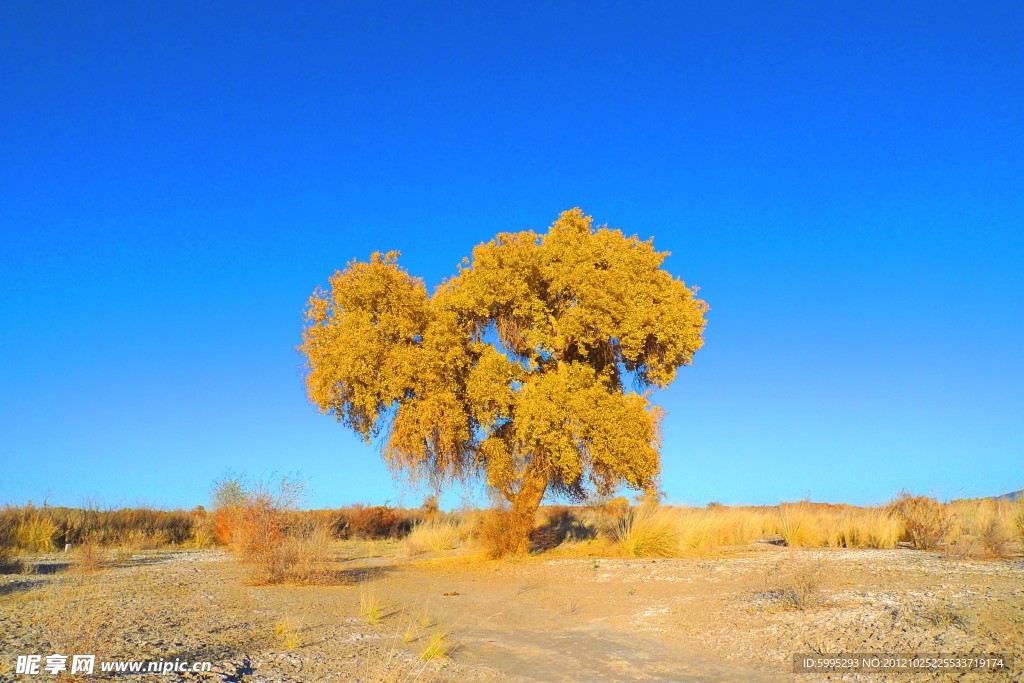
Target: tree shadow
{"x": 561, "y": 526}
{"x": 18, "y": 586}
{"x": 357, "y": 575}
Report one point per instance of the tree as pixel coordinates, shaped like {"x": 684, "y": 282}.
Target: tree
{"x": 516, "y": 368}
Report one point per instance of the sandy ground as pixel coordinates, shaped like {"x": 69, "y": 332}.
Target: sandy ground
{"x": 739, "y": 617}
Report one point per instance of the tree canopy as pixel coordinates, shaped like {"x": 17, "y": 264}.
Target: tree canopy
{"x": 532, "y": 365}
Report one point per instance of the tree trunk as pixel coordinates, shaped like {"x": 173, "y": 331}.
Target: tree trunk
{"x": 524, "y": 510}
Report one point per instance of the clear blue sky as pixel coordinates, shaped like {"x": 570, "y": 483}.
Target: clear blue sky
{"x": 844, "y": 181}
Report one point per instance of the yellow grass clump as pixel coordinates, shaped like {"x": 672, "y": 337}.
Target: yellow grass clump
{"x": 649, "y": 531}
{"x": 438, "y": 645}
{"x": 981, "y": 528}
{"x": 437, "y": 535}
{"x": 287, "y": 634}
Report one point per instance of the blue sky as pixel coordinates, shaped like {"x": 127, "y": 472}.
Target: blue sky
{"x": 845, "y": 183}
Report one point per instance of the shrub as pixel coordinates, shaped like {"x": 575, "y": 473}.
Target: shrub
{"x": 795, "y": 584}
{"x": 501, "y": 535}
{"x": 926, "y": 520}
{"x": 88, "y": 557}
{"x": 372, "y": 522}
{"x": 301, "y": 556}
{"x": 264, "y": 529}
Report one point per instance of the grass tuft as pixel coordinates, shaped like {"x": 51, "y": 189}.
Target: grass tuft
{"x": 438, "y": 646}
{"x": 370, "y": 606}
{"x": 287, "y": 635}
{"x": 649, "y": 531}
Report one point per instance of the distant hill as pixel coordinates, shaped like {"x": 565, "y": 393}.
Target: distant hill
{"x": 1012, "y": 496}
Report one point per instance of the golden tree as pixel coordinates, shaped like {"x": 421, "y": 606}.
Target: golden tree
{"x": 516, "y": 368}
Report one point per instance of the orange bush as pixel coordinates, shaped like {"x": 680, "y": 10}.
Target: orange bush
{"x": 926, "y": 520}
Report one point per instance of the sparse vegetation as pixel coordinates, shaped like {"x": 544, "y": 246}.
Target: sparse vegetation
{"x": 287, "y": 634}
{"x": 439, "y": 644}
{"x": 89, "y": 557}
{"x": 370, "y": 606}
{"x": 944, "y": 614}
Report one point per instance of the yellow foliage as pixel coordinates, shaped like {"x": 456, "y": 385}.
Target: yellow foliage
{"x": 514, "y": 367}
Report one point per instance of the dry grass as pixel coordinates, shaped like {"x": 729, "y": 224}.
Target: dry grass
{"x": 438, "y": 645}
{"x": 668, "y": 531}
{"x": 287, "y": 635}
{"x": 1018, "y": 524}
{"x": 300, "y": 556}
{"x": 77, "y": 616}
{"x": 981, "y": 529}
{"x": 393, "y": 664}
{"x": 371, "y": 608}
{"x": 649, "y": 531}
{"x": 35, "y": 533}
{"x": 89, "y": 557}
{"x": 944, "y": 614}
{"x": 796, "y": 584}
{"x": 436, "y": 535}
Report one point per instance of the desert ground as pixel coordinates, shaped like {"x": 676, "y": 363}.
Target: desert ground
{"x": 737, "y": 616}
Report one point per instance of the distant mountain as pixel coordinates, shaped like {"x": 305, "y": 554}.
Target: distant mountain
{"x": 1015, "y": 495}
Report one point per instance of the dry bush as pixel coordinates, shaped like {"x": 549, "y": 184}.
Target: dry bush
{"x": 47, "y": 528}
{"x": 499, "y": 534}
{"x": 796, "y": 584}
{"x": 372, "y": 522}
{"x": 301, "y": 556}
{"x": 88, "y": 557}
{"x": 926, "y": 520}
{"x": 878, "y": 529}
{"x": 944, "y": 614}
{"x": 649, "y": 531}
{"x": 35, "y": 533}
{"x": 262, "y": 527}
